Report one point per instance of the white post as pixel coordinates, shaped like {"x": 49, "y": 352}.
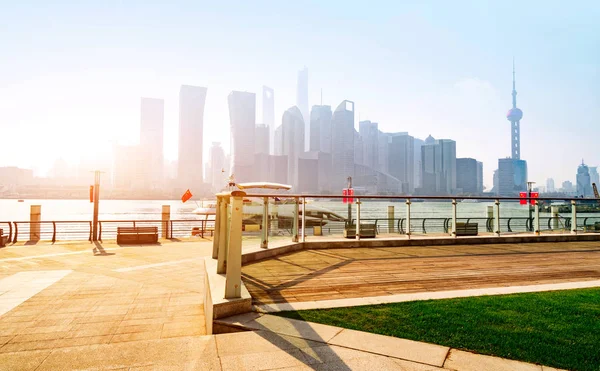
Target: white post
{"x": 295, "y": 225}
{"x": 303, "y": 219}
{"x": 218, "y": 217}
{"x": 223, "y": 235}
{"x": 358, "y": 218}
{"x": 233, "y": 276}
{"x": 408, "y": 217}
{"x": 573, "y": 217}
{"x": 536, "y": 226}
{"x": 454, "y": 217}
{"x": 554, "y": 211}
{"x": 497, "y": 218}
{"x": 265, "y": 224}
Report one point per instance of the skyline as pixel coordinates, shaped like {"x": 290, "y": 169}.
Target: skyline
{"x": 404, "y": 86}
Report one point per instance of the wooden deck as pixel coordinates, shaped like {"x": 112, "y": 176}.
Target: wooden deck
{"x": 325, "y": 274}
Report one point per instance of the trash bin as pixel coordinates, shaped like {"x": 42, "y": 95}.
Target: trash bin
{"x": 317, "y": 230}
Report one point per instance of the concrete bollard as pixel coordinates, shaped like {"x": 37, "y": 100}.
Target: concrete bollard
{"x": 166, "y": 217}
{"x": 391, "y": 219}
{"x": 490, "y": 215}
{"x": 554, "y": 213}
{"x": 35, "y": 216}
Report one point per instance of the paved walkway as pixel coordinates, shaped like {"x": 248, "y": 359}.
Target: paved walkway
{"x": 335, "y": 274}
{"x": 85, "y": 306}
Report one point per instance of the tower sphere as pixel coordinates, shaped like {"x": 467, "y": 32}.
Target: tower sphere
{"x": 514, "y": 114}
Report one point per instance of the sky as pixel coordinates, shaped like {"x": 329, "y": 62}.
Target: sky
{"x": 72, "y": 72}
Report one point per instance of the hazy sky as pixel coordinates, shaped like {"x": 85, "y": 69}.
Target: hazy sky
{"x": 72, "y": 72}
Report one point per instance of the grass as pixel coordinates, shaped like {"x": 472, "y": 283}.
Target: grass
{"x": 558, "y": 328}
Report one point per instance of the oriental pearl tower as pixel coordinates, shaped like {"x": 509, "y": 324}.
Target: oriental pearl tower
{"x": 515, "y": 115}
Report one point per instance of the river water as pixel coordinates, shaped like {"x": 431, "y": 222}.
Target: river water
{"x": 76, "y": 210}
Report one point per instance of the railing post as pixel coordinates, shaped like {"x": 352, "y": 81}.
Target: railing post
{"x": 497, "y": 226}
{"x": 303, "y": 219}
{"x": 454, "y": 217}
{"x": 573, "y": 217}
{"x": 223, "y": 224}
{"x": 53, "y": 231}
{"x": 537, "y": 219}
{"x": 233, "y": 276}
{"x": 358, "y": 218}
{"x": 295, "y": 222}
{"x": 34, "y": 222}
{"x": 16, "y": 232}
{"x": 391, "y": 219}
{"x": 408, "y": 217}
{"x": 264, "y": 243}
{"x": 217, "y": 234}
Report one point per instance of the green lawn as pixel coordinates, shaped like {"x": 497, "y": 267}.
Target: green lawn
{"x": 559, "y": 328}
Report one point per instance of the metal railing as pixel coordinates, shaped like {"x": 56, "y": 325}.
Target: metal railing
{"x": 107, "y": 229}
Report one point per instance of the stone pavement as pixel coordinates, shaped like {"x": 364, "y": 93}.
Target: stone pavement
{"x": 86, "y": 306}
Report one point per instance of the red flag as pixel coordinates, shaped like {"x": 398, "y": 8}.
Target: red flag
{"x": 523, "y": 196}
{"x": 186, "y": 196}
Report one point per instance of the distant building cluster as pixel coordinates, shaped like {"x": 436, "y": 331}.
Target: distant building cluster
{"x": 316, "y": 151}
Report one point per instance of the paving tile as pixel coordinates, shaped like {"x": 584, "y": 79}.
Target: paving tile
{"x": 431, "y": 354}
{"x": 263, "y": 361}
{"x": 23, "y": 361}
{"x": 259, "y": 341}
{"x": 291, "y": 327}
{"x": 134, "y": 336}
{"x": 466, "y": 361}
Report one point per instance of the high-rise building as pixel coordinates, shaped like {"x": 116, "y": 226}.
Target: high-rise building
{"x": 302, "y": 101}
{"x": 268, "y": 113}
{"x": 218, "y": 173}
{"x": 550, "y": 185}
{"x": 191, "y": 126}
{"x": 289, "y": 139}
{"x": 401, "y": 160}
{"x": 320, "y": 129}
{"x": 438, "y": 166}
{"x": 514, "y": 115}
{"x": 127, "y": 172}
{"x": 242, "y": 117}
{"x": 152, "y": 115}
{"x": 594, "y": 175}
{"x": 466, "y": 175}
{"x": 417, "y": 166}
{"x": 261, "y": 139}
{"x": 567, "y": 187}
{"x": 342, "y": 145}
{"x": 383, "y": 143}
{"x": 358, "y": 149}
{"x": 584, "y": 183}
{"x": 479, "y": 177}
{"x": 512, "y": 177}
{"x": 369, "y": 133}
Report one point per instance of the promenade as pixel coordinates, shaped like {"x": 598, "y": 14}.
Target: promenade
{"x": 103, "y": 306}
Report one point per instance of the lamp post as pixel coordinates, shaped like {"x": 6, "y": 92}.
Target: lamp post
{"x": 529, "y": 186}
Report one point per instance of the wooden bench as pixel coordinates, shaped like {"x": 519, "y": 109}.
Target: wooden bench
{"x": 137, "y": 235}
{"x": 3, "y": 238}
{"x": 467, "y": 229}
{"x": 366, "y": 231}
{"x": 199, "y": 231}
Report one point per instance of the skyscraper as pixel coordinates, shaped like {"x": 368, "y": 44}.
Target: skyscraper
{"x": 584, "y": 184}
{"x": 290, "y": 141}
{"x": 401, "y": 160}
{"x": 550, "y": 185}
{"x": 261, "y": 139}
{"x": 467, "y": 175}
{"x": 242, "y": 118}
{"x": 438, "y": 166}
{"x": 268, "y": 113}
{"x": 320, "y": 129}
{"x": 191, "y": 126}
{"x": 302, "y": 100}
{"x": 216, "y": 158}
{"x": 151, "y": 142}
{"x": 515, "y": 115}
{"x": 479, "y": 177}
{"x": 594, "y": 177}
{"x": 369, "y": 132}
{"x": 342, "y": 144}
